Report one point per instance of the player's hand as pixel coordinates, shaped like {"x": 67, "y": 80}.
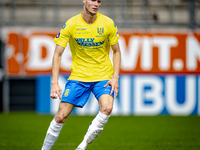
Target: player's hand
{"x": 114, "y": 85}
{"x": 55, "y": 91}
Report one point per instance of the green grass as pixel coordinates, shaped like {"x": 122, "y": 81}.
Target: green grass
{"x": 26, "y": 131}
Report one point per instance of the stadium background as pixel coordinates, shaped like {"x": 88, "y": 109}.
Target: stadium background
{"x": 160, "y": 43}
{"x": 159, "y": 76}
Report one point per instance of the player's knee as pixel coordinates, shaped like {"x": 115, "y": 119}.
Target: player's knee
{"x": 107, "y": 110}
{"x": 59, "y": 118}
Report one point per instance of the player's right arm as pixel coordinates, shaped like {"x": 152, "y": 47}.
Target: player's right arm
{"x": 55, "y": 88}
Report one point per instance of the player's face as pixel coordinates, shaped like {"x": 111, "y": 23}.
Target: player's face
{"x": 92, "y": 6}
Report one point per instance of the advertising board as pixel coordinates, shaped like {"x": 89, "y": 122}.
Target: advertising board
{"x": 29, "y": 52}
{"x": 138, "y": 95}
{"x": 160, "y": 71}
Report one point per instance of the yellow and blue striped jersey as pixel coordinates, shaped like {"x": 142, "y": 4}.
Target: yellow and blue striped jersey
{"x": 90, "y": 46}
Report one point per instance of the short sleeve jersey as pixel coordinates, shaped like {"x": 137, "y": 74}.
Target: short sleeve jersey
{"x": 90, "y": 47}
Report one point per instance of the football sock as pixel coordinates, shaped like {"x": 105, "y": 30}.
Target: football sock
{"x": 94, "y": 130}
{"x": 52, "y": 135}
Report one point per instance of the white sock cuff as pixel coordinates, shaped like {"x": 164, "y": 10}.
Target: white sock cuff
{"x": 102, "y": 117}
{"x": 56, "y": 126}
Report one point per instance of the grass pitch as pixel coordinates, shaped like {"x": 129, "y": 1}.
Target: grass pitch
{"x": 26, "y": 131}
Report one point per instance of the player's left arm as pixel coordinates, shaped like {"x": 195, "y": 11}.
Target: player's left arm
{"x": 116, "y": 67}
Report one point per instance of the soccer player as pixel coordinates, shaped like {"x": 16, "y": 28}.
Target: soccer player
{"x": 90, "y": 36}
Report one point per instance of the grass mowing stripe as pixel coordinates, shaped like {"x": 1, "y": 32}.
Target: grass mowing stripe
{"x": 22, "y": 131}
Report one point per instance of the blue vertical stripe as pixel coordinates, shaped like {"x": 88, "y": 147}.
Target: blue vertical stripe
{"x": 43, "y": 94}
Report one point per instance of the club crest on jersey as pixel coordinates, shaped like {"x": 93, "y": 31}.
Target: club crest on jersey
{"x": 100, "y": 30}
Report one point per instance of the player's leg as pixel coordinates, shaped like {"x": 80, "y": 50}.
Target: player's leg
{"x": 56, "y": 125}
{"x": 75, "y": 94}
{"x": 95, "y": 128}
{"x": 105, "y": 109}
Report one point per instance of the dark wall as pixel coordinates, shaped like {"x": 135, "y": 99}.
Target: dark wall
{"x": 22, "y": 94}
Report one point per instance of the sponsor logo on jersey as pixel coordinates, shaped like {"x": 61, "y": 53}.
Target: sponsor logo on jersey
{"x": 64, "y": 26}
{"x": 81, "y": 28}
{"x": 88, "y": 42}
{"x": 58, "y": 35}
{"x": 115, "y": 25}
